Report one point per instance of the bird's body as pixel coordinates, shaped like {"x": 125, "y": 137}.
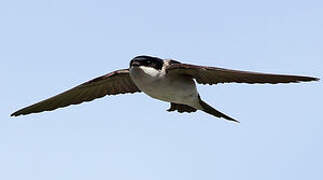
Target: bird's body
{"x": 166, "y": 80}
{"x": 170, "y": 88}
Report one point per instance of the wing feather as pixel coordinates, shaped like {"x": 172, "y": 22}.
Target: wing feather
{"x": 214, "y": 75}
{"x": 117, "y": 82}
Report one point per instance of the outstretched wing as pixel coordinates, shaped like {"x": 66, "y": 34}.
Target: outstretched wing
{"x": 117, "y": 82}
{"x": 214, "y": 75}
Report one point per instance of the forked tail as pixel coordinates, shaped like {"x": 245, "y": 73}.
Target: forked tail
{"x": 208, "y": 109}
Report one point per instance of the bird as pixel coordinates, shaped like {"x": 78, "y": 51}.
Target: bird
{"x": 167, "y": 80}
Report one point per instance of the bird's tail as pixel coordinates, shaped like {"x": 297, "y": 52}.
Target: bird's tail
{"x": 208, "y": 109}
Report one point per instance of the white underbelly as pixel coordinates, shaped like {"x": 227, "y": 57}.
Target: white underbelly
{"x": 180, "y": 90}
{"x": 176, "y": 92}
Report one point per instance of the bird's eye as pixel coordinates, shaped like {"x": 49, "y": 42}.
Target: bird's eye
{"x": 148, "y": 62}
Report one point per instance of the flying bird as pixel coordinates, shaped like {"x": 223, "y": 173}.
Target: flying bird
{"x": 164, "y": 79}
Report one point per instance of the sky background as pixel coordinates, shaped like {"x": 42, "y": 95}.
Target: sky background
{"x": 47, "y": 47}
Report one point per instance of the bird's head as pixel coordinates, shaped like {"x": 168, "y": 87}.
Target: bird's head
{"x": 147, "y": 61}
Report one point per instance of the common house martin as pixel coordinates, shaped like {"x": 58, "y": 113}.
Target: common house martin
{"x": 164, "y": 79}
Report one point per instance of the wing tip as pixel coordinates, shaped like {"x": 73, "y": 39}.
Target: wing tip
{"x": 316, "y": 79}
{"x": 308, "y": 79}
{"x": 18, "y": 113}
{"x": 15, "y": 114}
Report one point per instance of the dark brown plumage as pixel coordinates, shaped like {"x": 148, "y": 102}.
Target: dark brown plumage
{"x": 181, "y": 108}
{"x": 214, "y": 75}
{"x": 207, "y": 108}
{"x": 117, "y": 82}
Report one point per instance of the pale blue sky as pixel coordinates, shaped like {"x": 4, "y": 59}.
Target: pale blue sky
{"x": 47, "y": 47}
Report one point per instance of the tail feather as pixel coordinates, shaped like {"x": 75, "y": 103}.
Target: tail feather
{"x": 208, "y": 109}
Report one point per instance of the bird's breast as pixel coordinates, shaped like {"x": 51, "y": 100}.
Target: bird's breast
{"x": 158, "y": 85}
